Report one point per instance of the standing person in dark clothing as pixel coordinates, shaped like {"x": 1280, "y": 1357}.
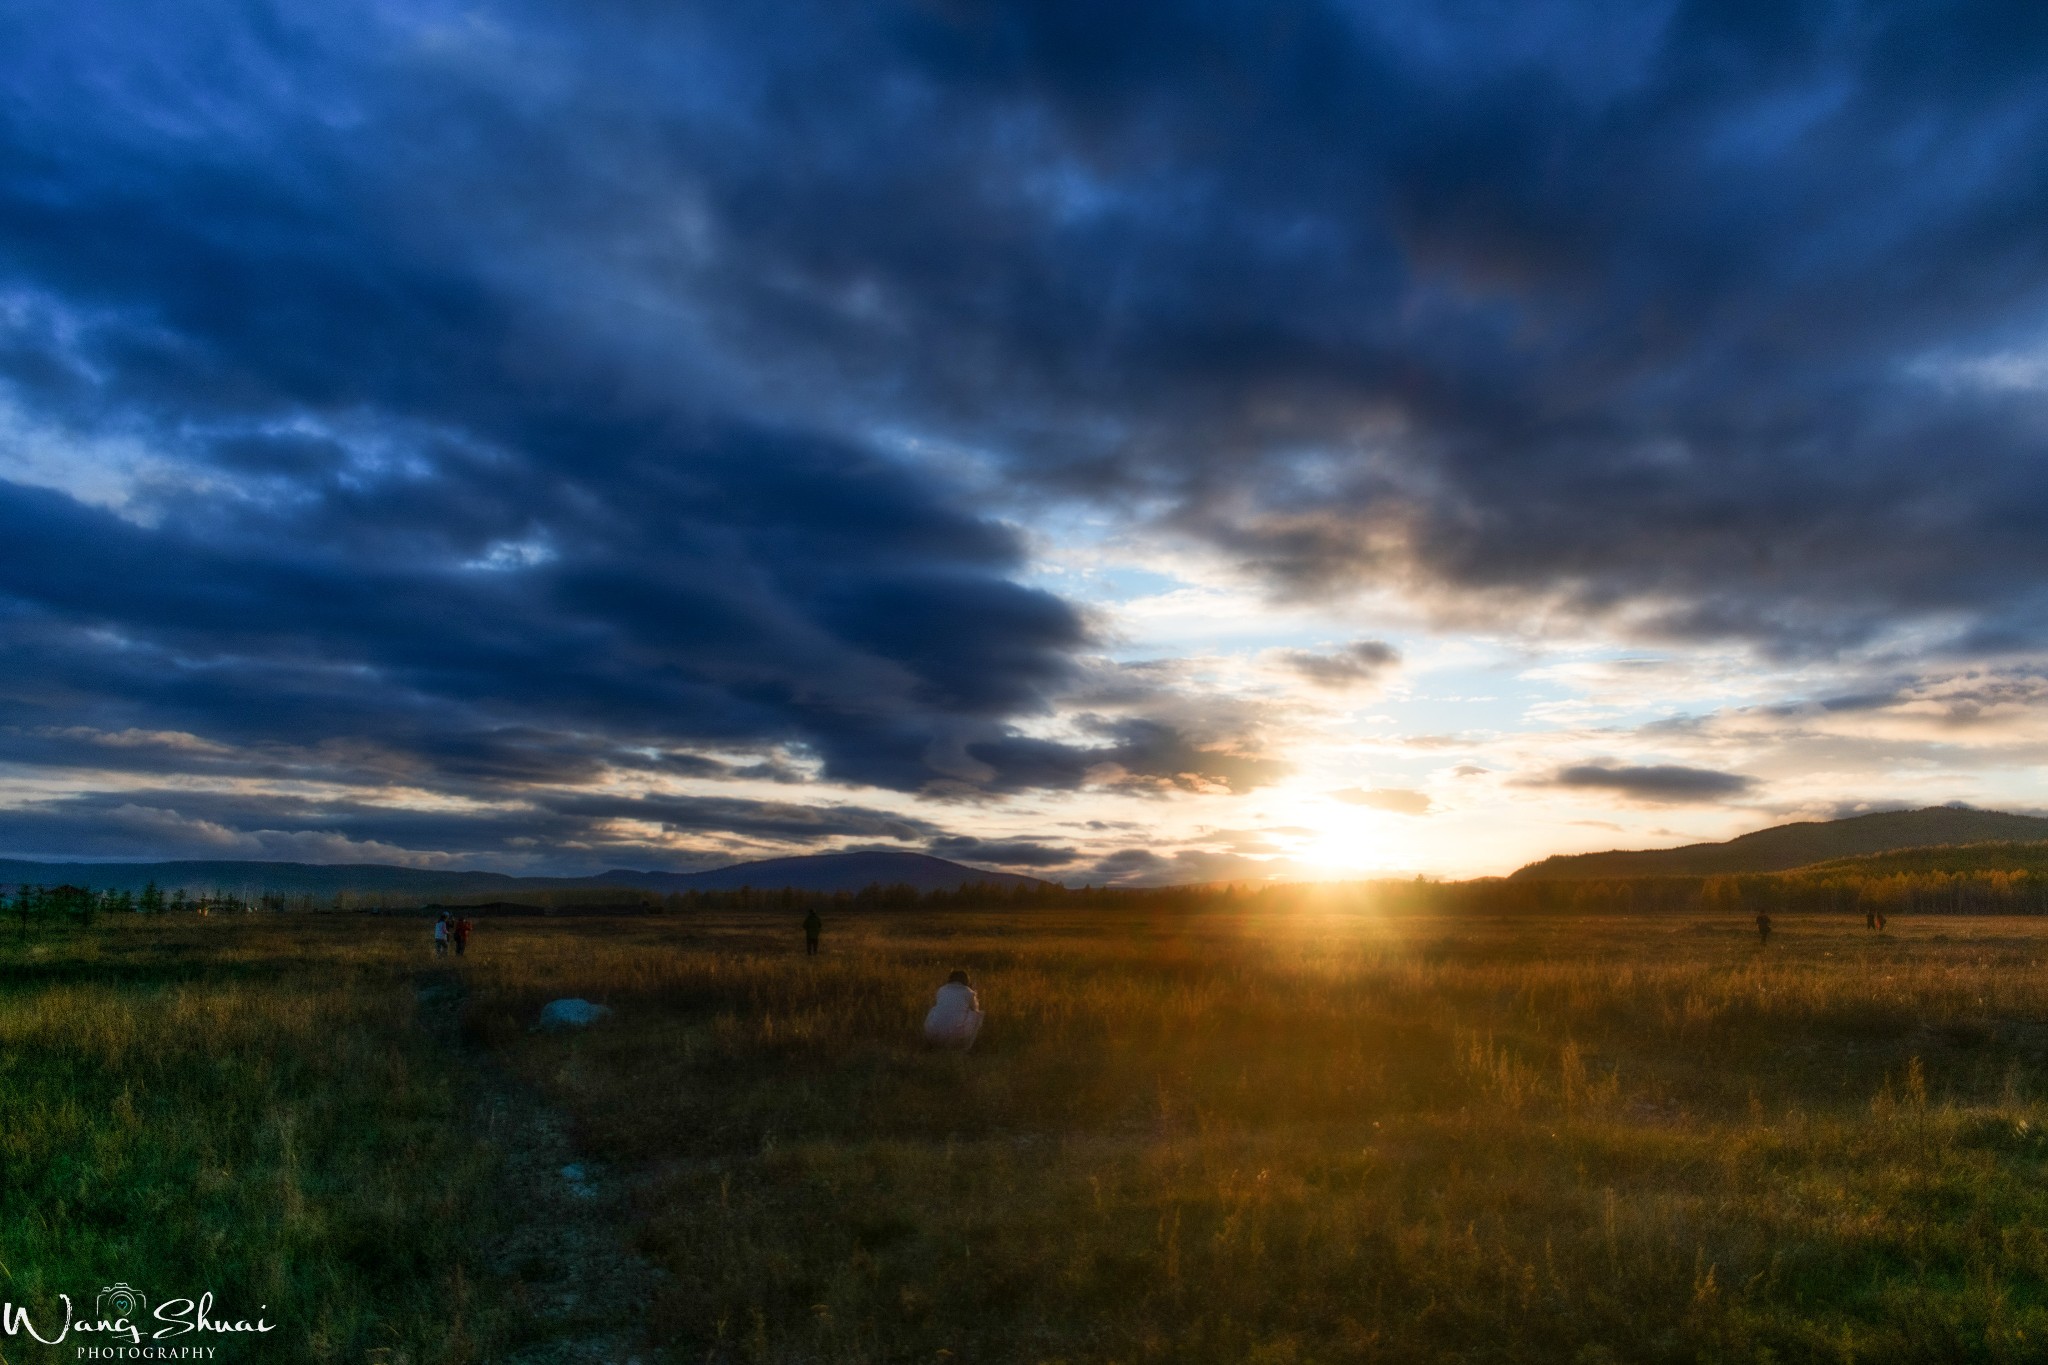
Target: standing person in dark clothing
{"x": 1870, "y": 918}
{"x": 1763, "y": 926}
{"x": 813, "y": 926}
{"x": 461, "y": 937}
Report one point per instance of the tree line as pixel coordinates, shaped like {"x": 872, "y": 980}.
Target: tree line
{"x": 28, "y": 904}
{"x": 1840, "y": 890}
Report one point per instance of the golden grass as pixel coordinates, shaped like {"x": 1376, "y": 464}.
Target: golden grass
{"x": 1300, "y": 1135}
{"x": 1314, "y": 1136}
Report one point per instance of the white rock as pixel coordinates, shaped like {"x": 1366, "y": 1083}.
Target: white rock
{"x": 561, "y": 1014}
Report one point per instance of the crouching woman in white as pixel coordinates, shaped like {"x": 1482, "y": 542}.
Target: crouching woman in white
{"x": 956, "y": 1018}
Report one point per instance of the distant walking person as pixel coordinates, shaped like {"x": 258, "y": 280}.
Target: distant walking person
{"x": 1880, "y": 921}
{"x": 955, "y": 1019}
{"x": 1870, "y": 918}
{"x": 461, "y": 937}
{"x": 441, "y": 936}
{"x": 813, "y": 926}
{"x": 1763, "y": 926}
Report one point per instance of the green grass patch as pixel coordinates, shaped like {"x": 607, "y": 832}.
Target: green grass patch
{"x": 246, "y": 1108}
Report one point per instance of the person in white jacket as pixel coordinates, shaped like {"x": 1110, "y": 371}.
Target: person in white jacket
{"x": 956, "y": 1018}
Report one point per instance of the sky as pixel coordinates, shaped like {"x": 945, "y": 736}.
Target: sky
{"x": 1143, "y": 443}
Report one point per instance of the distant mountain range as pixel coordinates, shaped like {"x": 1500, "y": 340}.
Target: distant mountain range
{"x": 1784, "y": 847}
{"x": 818, "y": 872}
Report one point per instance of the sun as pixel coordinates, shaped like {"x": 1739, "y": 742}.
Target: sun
{"x": 1337, "y": 843}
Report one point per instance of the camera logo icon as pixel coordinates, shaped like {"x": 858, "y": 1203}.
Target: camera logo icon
{"x": 118, "y": 1300}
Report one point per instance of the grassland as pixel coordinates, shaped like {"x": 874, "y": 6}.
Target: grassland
{"x": 1303, "y": 1134}
{"x": 1317, "y": 1136}
{"x": 257, "y": 1109}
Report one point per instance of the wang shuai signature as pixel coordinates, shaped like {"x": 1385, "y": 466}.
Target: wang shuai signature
{"x": 122, "y": 1315}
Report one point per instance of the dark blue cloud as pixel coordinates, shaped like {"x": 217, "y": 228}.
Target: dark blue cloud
{"x": 554, "y": 832}
{"x": 507, "y": 395}
{"x": 1647, "y": 312}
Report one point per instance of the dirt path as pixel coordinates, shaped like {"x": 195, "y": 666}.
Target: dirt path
{"x": 584, "y": 1286}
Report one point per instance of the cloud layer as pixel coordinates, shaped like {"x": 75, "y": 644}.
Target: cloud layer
{"x": 524, "y": 404}
{"x": 1659, "y": 782}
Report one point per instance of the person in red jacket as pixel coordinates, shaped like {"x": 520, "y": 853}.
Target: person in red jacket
{"x": 461, "y": 937}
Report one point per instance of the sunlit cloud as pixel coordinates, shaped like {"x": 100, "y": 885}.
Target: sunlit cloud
{"x": 1396, "y": 799}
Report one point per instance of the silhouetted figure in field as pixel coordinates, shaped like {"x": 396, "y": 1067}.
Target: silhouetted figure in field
{"x": 955, "y": 1018}
{"x": 1880, "y": 921}
{"x": 441, "y": 936}
{"x": 1870, "y": 918}
{"x": 813, "y": 926}
{"x": 1763, "y": 926}
{"x": 461, "y": 937}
